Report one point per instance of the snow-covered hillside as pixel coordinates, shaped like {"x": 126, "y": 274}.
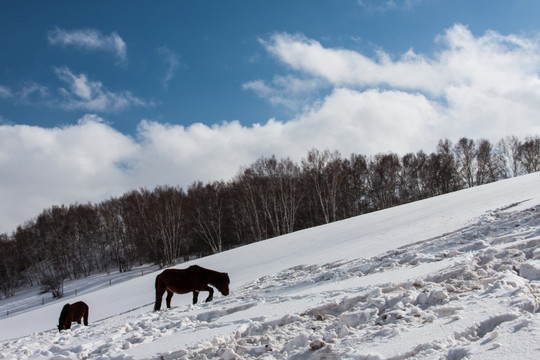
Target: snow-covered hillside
{"x": 452, "y": 277}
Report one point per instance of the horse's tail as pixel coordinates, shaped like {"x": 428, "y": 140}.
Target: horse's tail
{"x": 86, "y": 313}
{"x": 159, "y": 293}
{"x": 158, "y": 283}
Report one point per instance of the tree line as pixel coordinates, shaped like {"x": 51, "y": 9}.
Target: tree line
{"x": 268, "y": 198}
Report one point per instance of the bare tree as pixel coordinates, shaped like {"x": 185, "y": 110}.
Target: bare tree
{"x": 57, "y": 251}
{"x": 269, "y": 196}
{"x": 116, "y": 233}
{"x": 249, "y": 213}
{"x": 265, "y": 199}
{"x": 84, "y": 230}
{"x": 279, "y": 193}
{"x": 143, "y": 228}
{"x": 156, "y": 223}
{"x": 53, "y": 282}
{"x": 168, "y": 222}
{"x": 327, "y": 173}
{"x": 444, "y": 169}
{"x": 9, "y": 266}
{"x": 414, "y": 179}
{"x": 486, "y": 169}
{"x": 384, "y": 172}
{"x": 508, "y": 152}
{"x": 206, "y": 204}
{"x": 529, "y": 154}
{"x": 355, "y": 186}
{"x": 465, "y": 151}
{"x": 29, "y": 251}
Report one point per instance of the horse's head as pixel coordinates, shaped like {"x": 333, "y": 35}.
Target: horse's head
{"x": 223, "y": 284}
{"x": 63, "y": 317}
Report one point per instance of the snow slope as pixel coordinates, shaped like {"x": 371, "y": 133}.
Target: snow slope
{"x": 452, "y": 277}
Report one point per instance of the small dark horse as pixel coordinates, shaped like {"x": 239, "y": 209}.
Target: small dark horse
{"x": 73, "y": 312}
{"x": 194, "y": 278}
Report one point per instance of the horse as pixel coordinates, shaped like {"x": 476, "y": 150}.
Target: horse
{"x": 193, "y": 279}
{"x": 73, "y": 312}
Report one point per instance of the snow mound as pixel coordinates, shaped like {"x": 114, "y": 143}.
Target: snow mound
{"x": 454, "y": 277}
{"x": 530, "y": 270}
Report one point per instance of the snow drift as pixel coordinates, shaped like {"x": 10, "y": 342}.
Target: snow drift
{"x": 451, "y": 277}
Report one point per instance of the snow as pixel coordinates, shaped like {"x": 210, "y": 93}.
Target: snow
{"x": 451, "y": 277}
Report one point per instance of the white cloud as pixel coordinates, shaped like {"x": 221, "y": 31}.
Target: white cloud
{"x": 90, "y": 39}
{"x": 378, "y": 6}
{"x": 84, "y": 94}
{"x": 5, "y": 92}
{"x": 91, "y": 161}
{"x": 172, "y": 60}
{"x": 25, "y": 93}
{"x": 342, "y": 67}
{"x": 43, "y": 167}
{"x": 486, "y": 86}
{"x": 31, "y": 91}
{"x": 80, "y": 93}
{"x": 369, "y": 122}
{"x": 288, "y": 91}
{"x": 478, "y": 87}
{"x": 492, "y": 61}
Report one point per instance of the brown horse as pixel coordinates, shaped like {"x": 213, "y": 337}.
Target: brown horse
{"x": 194, "y": 278}
{"x": 73, "y": 312}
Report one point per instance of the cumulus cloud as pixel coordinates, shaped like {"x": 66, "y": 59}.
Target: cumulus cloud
{"x": 91, "y": 161}
{"x": 43, "y": 167}
{"x": 475, "y": 86}
{"x": 91, "y": 40}
{"x": 85, "y": 94}
{"x": 492, "y": 61}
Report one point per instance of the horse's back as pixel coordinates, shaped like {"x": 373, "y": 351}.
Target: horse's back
{"x": 168, "y": 275}
{"x": 79, "y": 309}
{"x": 177, "y": 280}
{"x": 80, "y": 305}
{"x": 191, "y": 270}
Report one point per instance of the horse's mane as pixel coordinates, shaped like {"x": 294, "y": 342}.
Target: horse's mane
{"x": 64, "y": 314}
{"x": 215, "y": 276}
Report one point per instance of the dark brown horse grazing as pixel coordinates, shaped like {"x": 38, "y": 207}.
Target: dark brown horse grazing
{"x": 73, "y": 312}
{"x": 194, "y": 278}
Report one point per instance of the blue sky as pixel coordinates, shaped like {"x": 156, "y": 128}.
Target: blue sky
{"x": 188, "y": 61}
{"x": 97, "y": 98}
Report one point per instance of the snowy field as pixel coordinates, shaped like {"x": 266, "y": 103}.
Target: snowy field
{"x": 452, "y": 277}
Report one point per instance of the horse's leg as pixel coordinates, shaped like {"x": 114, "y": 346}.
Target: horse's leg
{"x": 169, "y": 297}
{"x": 86, "y": 318}
{"x": 210, "y": 293}
{"x": 160, "y": 290}
{"x": 195, "y": 296}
